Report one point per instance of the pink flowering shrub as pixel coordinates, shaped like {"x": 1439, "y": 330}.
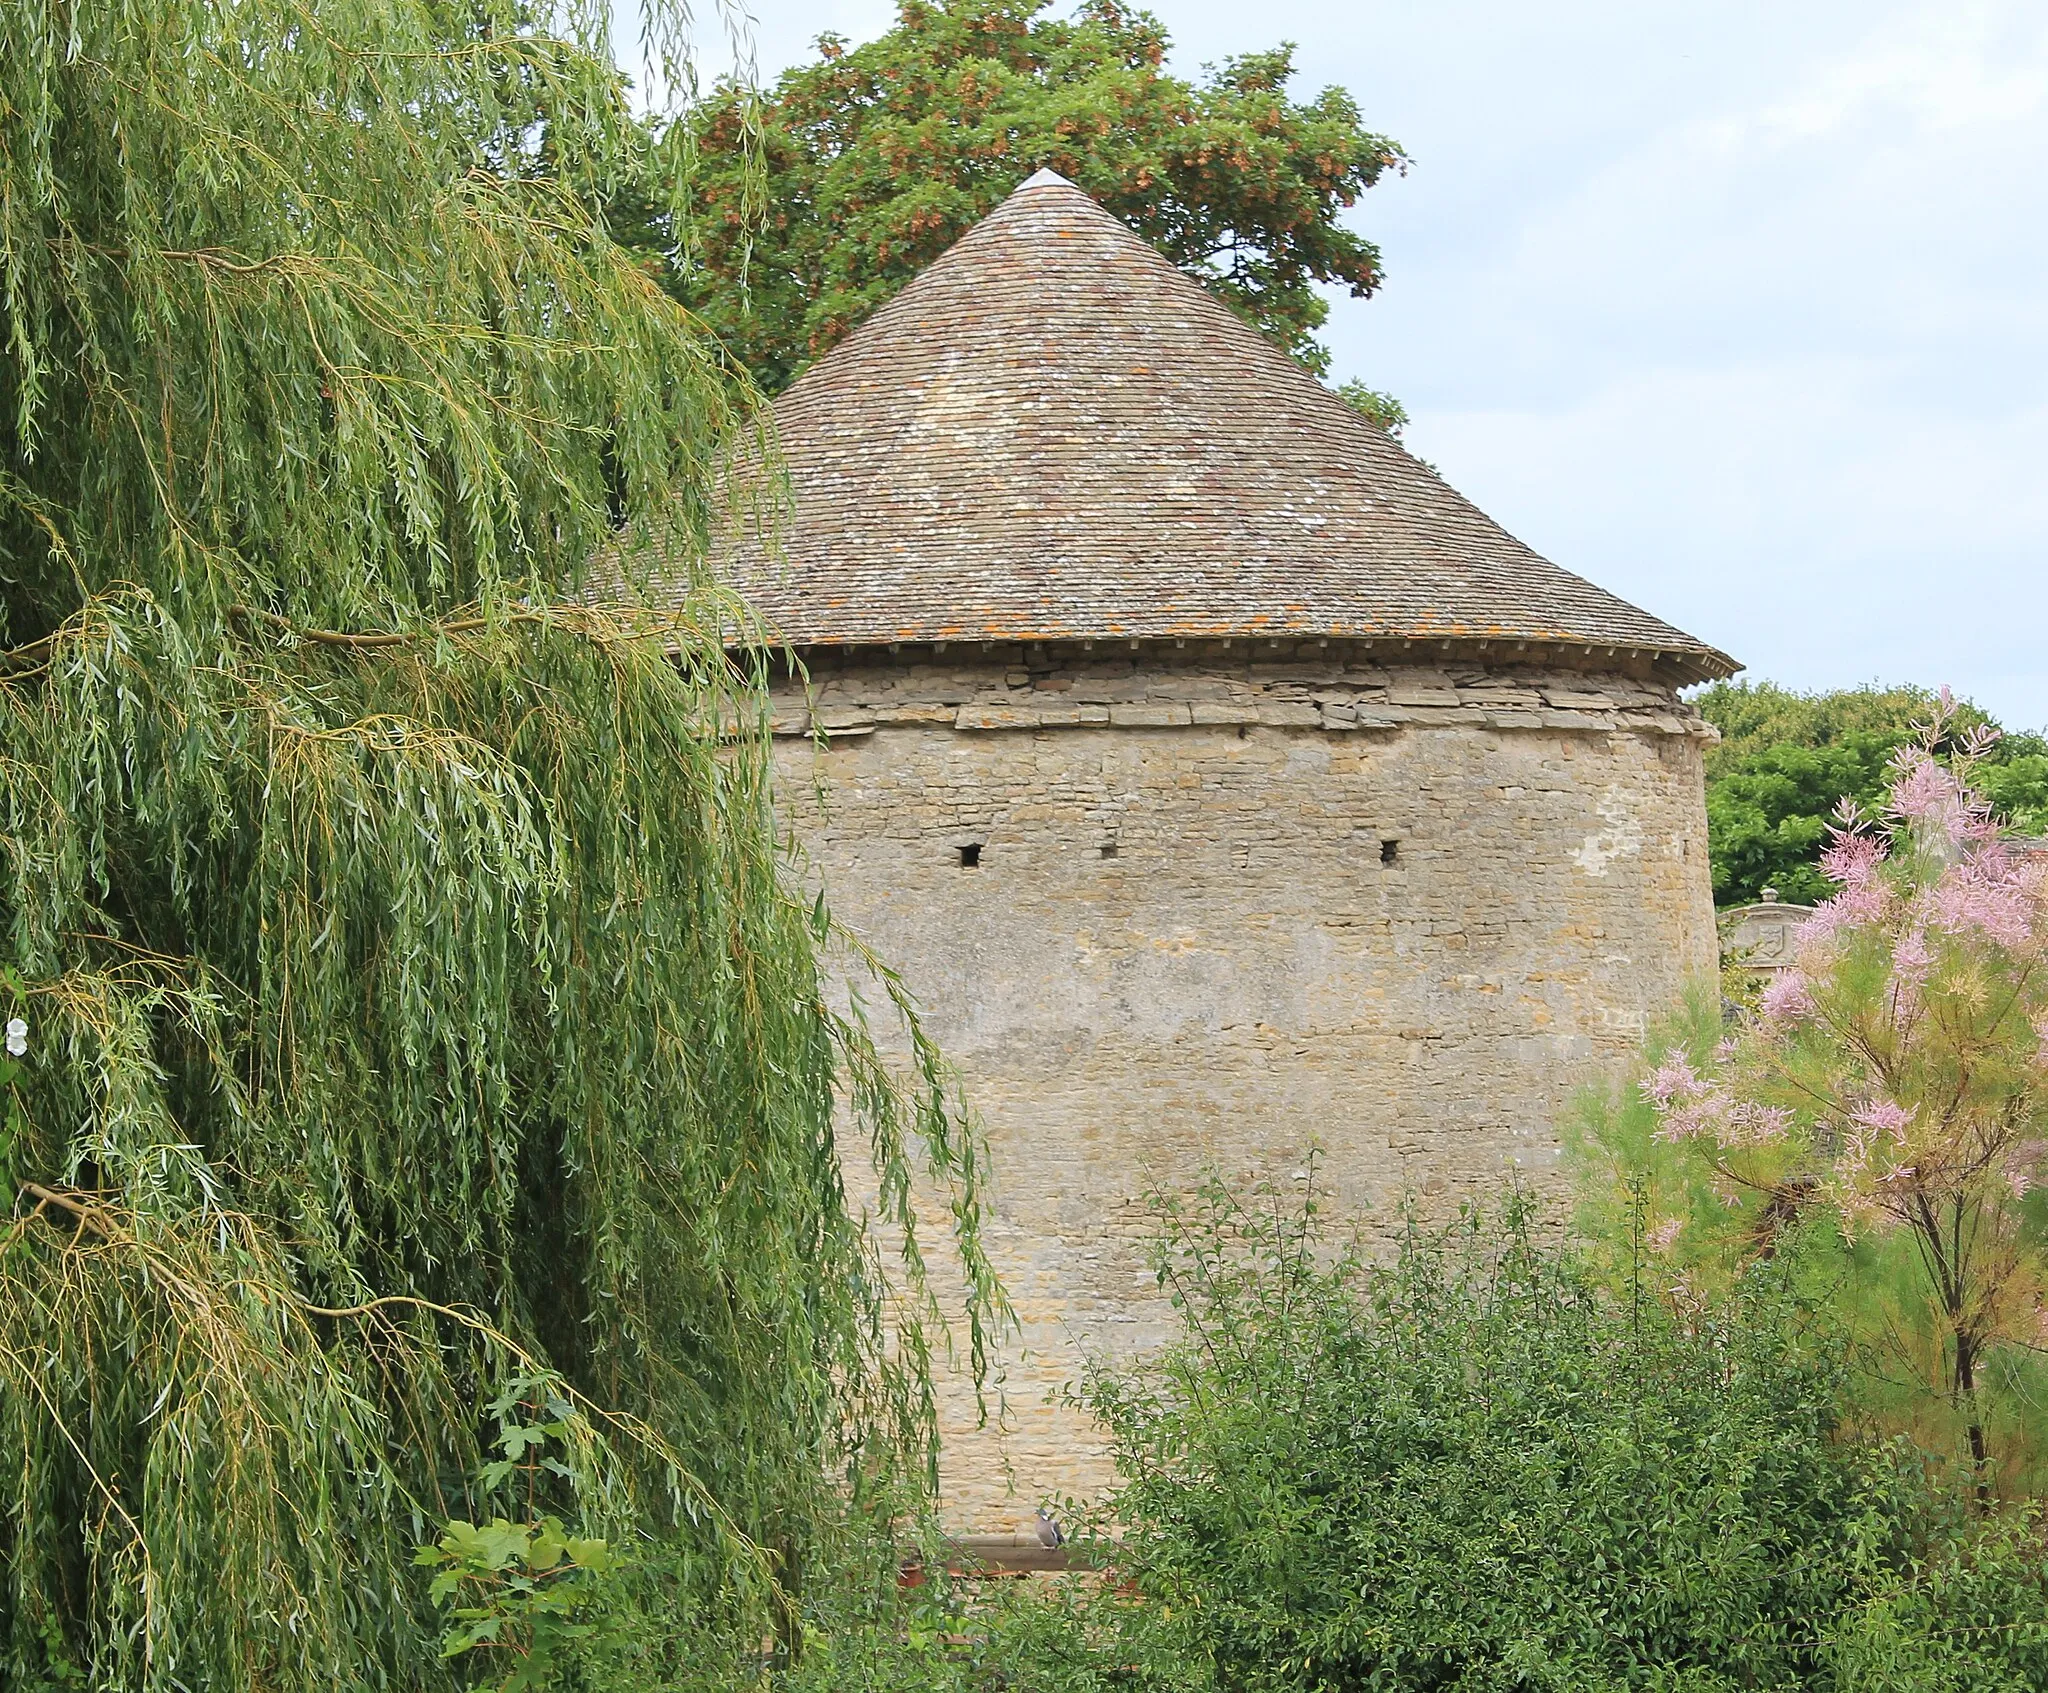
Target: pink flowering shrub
{"x": 1890, "y": 1097}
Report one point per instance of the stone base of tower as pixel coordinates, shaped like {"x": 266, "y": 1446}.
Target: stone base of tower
{"x": 1199, "y": 909}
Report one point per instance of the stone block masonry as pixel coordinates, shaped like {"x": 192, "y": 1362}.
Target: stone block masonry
{"x": 1175, "y": 909}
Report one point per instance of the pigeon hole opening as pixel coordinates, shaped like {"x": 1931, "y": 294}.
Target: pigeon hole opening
{"x": 1390, "y": 852}
{"x": 1109, "y": 849}
{"x": 970, "y": 856}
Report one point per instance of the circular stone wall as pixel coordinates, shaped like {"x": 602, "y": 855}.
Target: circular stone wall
{"x": 1182, "y": 909}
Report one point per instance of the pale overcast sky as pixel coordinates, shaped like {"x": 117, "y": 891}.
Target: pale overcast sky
{"x": 1736, "y": 307}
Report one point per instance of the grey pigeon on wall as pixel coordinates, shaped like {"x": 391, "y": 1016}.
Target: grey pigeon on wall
{"x": 1049, "y": 1534}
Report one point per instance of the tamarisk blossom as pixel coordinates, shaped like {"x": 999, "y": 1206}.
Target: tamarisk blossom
{"x": 1986, "y": 892}
{"x": 1896, "y": 1077}
{"x": 1696, "y": 1107}
{"x": 1675, "y": 1082}
{"x": 1912, "y": 957}
{"x": 1786, "y": 1000}
{"x": 1872, "y": 1138}
{"x": 1746, "y": 1123}
{"x": 1683, "y": 1098}
{"x": 1927, "y": 792}
{"x": 1884, "y": 1117}
{"x": 1851, "y": 860}
{"x": 1854, "y": 862}
{"x": 1665, "y": 1235}
{"x": 2022, "y": 1167}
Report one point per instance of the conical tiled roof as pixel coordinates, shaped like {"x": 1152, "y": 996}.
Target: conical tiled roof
{"x": 1053, "y": 434}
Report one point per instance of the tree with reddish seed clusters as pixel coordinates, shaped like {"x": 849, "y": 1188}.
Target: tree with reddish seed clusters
{"x": 1888, "y": 1108}
{"x": 879, "y": 157}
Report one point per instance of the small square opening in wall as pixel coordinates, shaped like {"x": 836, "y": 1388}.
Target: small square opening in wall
{"x": 1109, "y": 849}
{"x": 1390, "y": 852}
{"x": 970, "y": 856}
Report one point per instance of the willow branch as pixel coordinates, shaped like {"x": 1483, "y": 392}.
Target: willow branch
{"x": 89, "y": 1216}
{"x": 381, "y": 638}
{"x": 591, "y": 627}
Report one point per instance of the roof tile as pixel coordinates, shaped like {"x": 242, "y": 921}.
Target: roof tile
{"x": 1054, "y": 434}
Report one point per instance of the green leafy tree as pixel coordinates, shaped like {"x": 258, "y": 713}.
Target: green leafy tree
{"x": 1376, "y": 405}
{"x": 1787, "y": 759}
{"x": 410, "y": 991}
{"x": 879, "y": 157}
{"x": 1767, "y": 818}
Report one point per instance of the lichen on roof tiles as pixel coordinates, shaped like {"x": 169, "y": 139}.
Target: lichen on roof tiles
{"x": 1053, "y": 433}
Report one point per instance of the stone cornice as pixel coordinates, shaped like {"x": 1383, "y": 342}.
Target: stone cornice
{"x": 1020, "y": 688}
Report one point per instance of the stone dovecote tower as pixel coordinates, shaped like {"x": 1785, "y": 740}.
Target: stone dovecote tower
{"x": 1221, "y": 781}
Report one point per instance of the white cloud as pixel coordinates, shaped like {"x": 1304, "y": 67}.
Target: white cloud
{"x": 1786, "y": 513}
{"x": 1944, "y": 67}
{"x": 1779, "y": 369}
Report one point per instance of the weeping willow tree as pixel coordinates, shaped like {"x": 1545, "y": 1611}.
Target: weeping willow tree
{"x": 413, "y": 994}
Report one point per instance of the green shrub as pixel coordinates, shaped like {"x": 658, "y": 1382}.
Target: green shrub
{"x": 1499, "y": 1464}
{"x": 1477, "y": 1469}
{"x": 1967, "y": 1617}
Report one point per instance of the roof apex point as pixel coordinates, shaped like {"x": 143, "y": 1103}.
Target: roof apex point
{"x": 1054, "y": 433}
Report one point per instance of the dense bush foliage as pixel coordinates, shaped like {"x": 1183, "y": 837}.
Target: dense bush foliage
{"x": 1786, "y": 760}
{"x": 1474, "y": 1468}
{"x": 1484, "y": 1466}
